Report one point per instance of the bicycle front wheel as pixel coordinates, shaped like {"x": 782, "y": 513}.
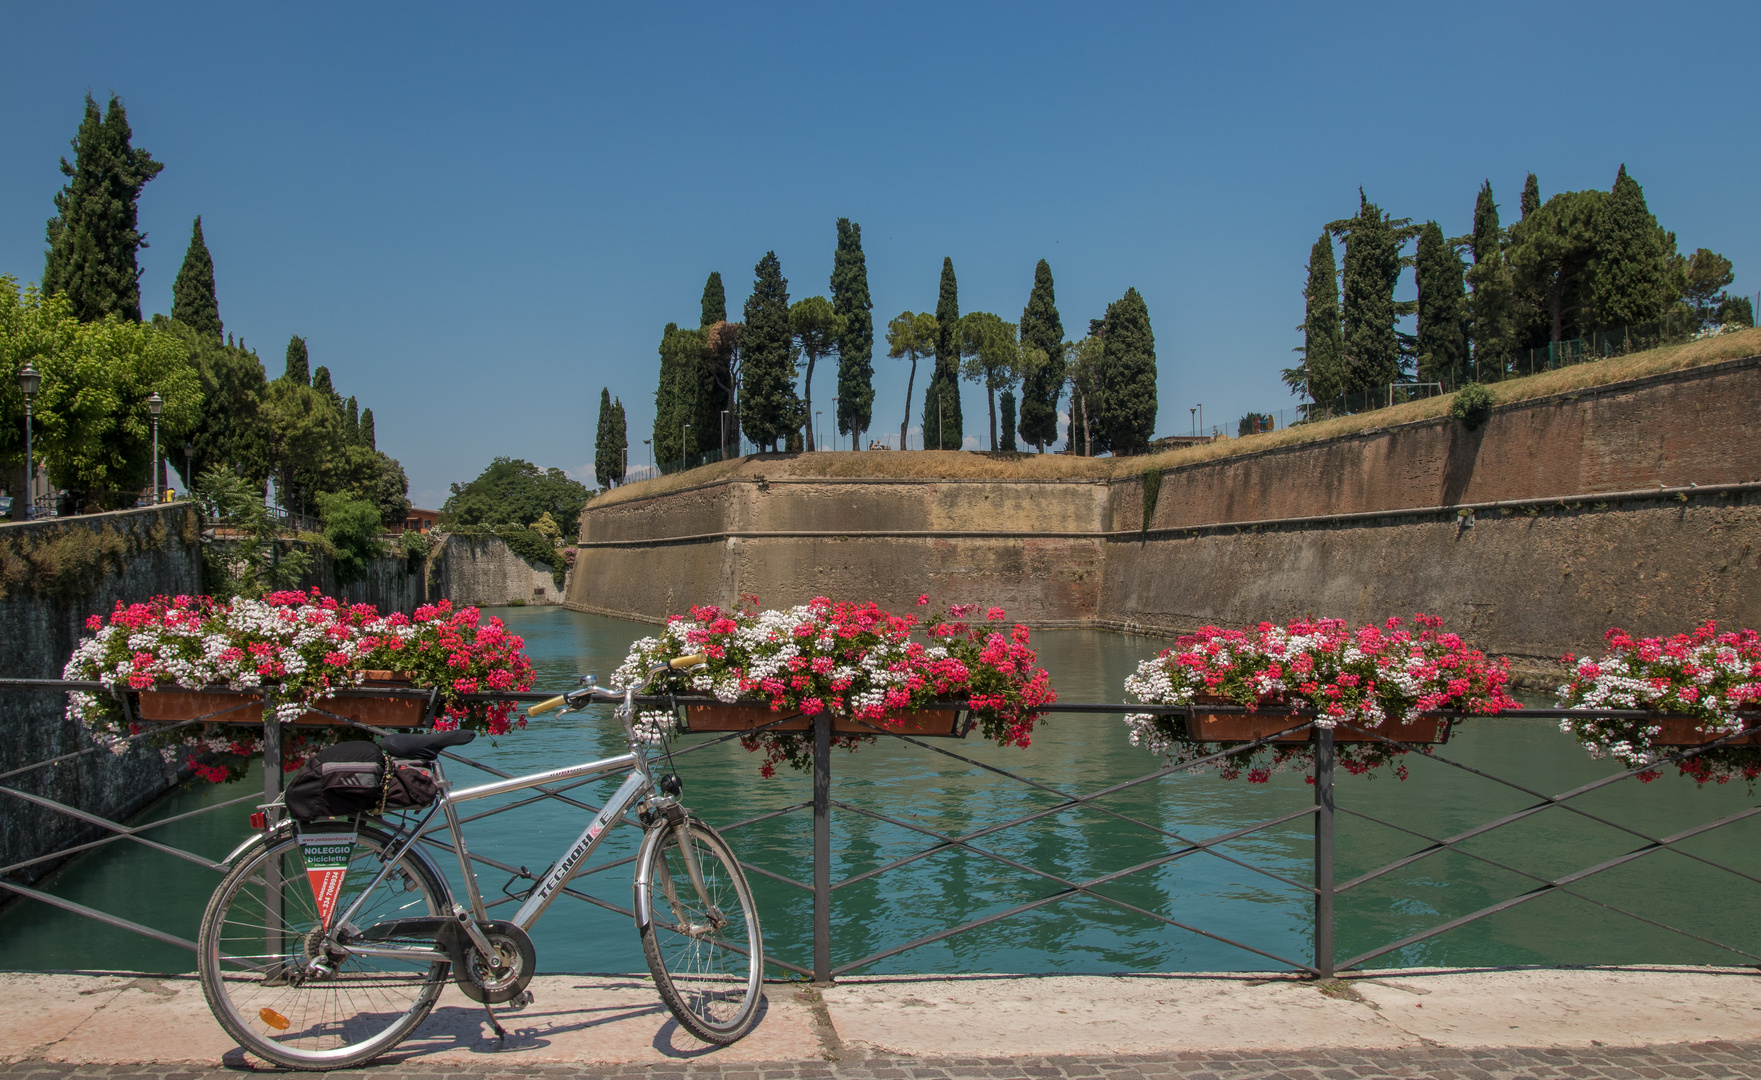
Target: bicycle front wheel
{"x": 262, "y": 930}
{"x": 703, "y": 945}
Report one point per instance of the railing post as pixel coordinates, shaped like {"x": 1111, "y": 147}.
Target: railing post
{"x": 272, "y": 883}
{"x": 822, "y": 848}
{"x": 1324, "y": 851}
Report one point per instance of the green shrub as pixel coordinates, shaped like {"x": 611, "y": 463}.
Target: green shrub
{"x": 351, "y": 526}
{"x": 1472, "y": 406}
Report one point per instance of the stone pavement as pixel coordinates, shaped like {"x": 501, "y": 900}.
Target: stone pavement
{"x": 1472, "y": 1025}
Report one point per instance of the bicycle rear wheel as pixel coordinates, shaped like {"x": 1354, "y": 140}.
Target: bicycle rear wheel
{"x": 262, "y": 927}
{"x": 705, "y": 949}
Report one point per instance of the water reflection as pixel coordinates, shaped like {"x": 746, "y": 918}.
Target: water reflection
{"x": 1071, "y": 754}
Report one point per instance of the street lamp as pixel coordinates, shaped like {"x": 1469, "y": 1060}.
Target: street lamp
{"x": 650, "y": 444}
{"x": 28, "y": 381}
{"x": 817, "y": 413}
{"x": 154, "y": 405}
{"x": 1192, "y": 414}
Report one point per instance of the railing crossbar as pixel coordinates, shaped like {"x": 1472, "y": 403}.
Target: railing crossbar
{"x": 114, "y": 837}
{"x": 101, "y": 916}
{"x": 126, "y": 832}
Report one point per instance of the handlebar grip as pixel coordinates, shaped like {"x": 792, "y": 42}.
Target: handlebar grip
{"x": 546, "y": 706}
{"x": 687, "y": 661}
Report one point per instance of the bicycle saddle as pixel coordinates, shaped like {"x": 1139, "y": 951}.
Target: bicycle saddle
{"x": 425, "y": 746}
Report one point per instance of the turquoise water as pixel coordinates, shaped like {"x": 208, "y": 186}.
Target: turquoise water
{"x": 1070, "y": 754}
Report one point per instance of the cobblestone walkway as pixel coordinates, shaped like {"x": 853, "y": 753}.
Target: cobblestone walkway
{"x": 1741, "y": 1061}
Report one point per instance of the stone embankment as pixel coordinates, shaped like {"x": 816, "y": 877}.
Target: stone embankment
{"x": 1637, "y": 503}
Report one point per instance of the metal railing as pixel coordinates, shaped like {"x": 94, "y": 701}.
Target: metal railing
{"x": 1323, "y": 888}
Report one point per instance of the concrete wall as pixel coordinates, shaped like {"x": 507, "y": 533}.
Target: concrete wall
{"x": 1270, "y": 534}
{"x": 483, "y": 571}
{"x": 141, "y": 553}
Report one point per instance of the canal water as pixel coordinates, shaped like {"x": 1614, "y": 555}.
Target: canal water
{"x": 919, "y": 789}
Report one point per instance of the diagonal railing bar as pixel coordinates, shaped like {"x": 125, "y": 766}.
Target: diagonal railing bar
{"x": 101, "y": 916}
{"x": 72, "y": 754}
{"x": 1553, "y": 886}
{"x": 948, "y": 841}
{"x": 114, "y": 837}
{"x": 1071, "y": 801}
{"x": 1547, "y": 802}
{"x": 1562, "y": 890}
{"x": 126, "y": 832}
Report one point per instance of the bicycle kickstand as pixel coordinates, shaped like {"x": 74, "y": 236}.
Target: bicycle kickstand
{"x": 501, "y": 1037}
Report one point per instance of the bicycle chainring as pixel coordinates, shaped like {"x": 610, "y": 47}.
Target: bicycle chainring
{"x": 516, "y": 961}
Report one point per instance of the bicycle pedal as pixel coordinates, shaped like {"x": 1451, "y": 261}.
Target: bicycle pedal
{"x": 519, "y": 1001}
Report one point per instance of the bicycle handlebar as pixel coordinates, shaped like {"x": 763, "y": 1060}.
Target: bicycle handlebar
{"x": 576, "y": 698}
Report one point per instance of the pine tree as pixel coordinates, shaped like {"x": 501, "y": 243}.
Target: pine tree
{"x": 1125, "y": 394}
{"x": 1042, "y": 334}
{"x": 351, "y": 422}
{"x": 1630, "y": 268}
{"x": 715, "y": 300}
{"x": 367, "y": 437}
{"x": 608, "y": 454}
{"x": 769, "y": 409}
{"x": 1442, "y": 331}
{"x": 93, "y": 237}
{"x": 851, "y": 303}
{"x": 1489, "y": 309}
{"x": 816, "y": 328}
{"x": 298, "y": 370}
{"x": 1372, "y": 267}
{"x": 942, "y": 425}
{"x": 193, "y": 300}
{"x": 1532, "y": 195}
{"x": 1551, "y": 252}
{"x": 1319, "y": 375}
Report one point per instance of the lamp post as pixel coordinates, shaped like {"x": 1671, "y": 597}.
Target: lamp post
{"x": 1192, "y": 413}
{"x": 817, "y": 413}
{"x": 28, "y": 381}
{"x": 154, "y": 405}
{"x": 189, "y": 465}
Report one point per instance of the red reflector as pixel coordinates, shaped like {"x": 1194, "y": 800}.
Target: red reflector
{"x": 259, "y": 820}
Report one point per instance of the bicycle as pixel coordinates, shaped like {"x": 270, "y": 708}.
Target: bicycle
{"x": 332, "y": 976}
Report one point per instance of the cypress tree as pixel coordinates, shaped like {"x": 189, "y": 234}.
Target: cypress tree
{"x": 367, "y": 437}
{"x": 1630, "y": 270}
{"x": 93, "y": 237}
{"x": 1489, "y": 309}
{"x": 1372, "y": 267}
{"x": 942, "y": 425}
{"x": 769, "y": 408}
{"x": 298, "y": 370}
{"x": 193, "y": 300}
{"x": 672, "y": 399}
{"x": 850, "y": 301}
{"x": 1043, "y": 332}
{"x": 620, "y": 437}
{"x": 1532, "y": 194}
{"x": 608, "y": 456}
{"x": 321, "y": 383}
{"x": 351, "y": 422}
{"x": 1007, "y": 408}
{"x": 1125, "y": 396}
{"x": 715, "y": 300}
{"x": 1320, "y": 374}
{"x": 1442, "y": 332}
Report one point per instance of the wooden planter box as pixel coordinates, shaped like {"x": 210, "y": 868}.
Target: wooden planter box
{"x": 1247, "y": 727}
{"x": 714, "y": 715}
{"x": 241, "y": 708}
{"x": 1686, "y": 731}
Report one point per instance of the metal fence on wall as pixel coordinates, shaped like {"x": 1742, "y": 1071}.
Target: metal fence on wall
{"x": 1324, "y": 885}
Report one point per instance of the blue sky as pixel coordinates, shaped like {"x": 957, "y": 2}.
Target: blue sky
{"x": 478, "y": 216}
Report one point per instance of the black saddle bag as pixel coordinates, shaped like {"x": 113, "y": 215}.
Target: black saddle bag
{"x": 358, "y": 778}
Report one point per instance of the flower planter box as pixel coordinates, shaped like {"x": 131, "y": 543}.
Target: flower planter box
{"x": 171, "y": 706}
{"x": 1687, "y": 731}
{"x": 1247, "y": 727}
{"x": 717, "y": 716}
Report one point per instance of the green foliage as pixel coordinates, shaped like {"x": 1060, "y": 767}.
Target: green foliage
{"x": 1084, "y": 359}
{"x": 909, "y": 337}
{"x": 816, "y": 327}
{"x": 677, "y": 420}
{"x": 1253, "y": 424}
{"x": 1472, "y": 406}
{"x": 609, "y": 444}
{"x": 93, "y": 237}
{"x": 321, "y": 383}
{"x": 1531, "y": 200}
{"x": 193, "y": 299}
{"x": 1126, "y": 390}
{"x": 715, "y": 300}
{"x": 91, "y": 426}
{"x": 351, "y": 421}
{"x": 769, "y": 408}
{"x": 248, "y": 557}
{"x": 1552, "y": 254}
{"x": 69, "y": 562}
{"x": 369, "y": 438}
{"x": 1006, "y": 408}
{"x": 1442, "y": 333}
{"x": 351, "y": 526}
{"x": 1321, "y": 373}
{"x": 943, "y": 427}
{"x": 1152, "y": 491}
{"x": 1371, "y": 350}
{"x": 547, "y": 527}
{"x": 855, "y": 345}
{"x": 514, "y": 492}
{"x": 1490, "y": 309}
{"x": 991, "y": 357}
{"x": 1042, "y": 347}
{"x": 1706, "y": 275}
{"x": 229, "y": 432}
{"x": 298, "y": 362}
{"x": 302, "y": 431}
{"x": 1736, "y": 311}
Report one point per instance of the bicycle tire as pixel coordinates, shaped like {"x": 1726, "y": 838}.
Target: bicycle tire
{"x": 711, "y": 978}
{"x": 371, "y": 1004}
